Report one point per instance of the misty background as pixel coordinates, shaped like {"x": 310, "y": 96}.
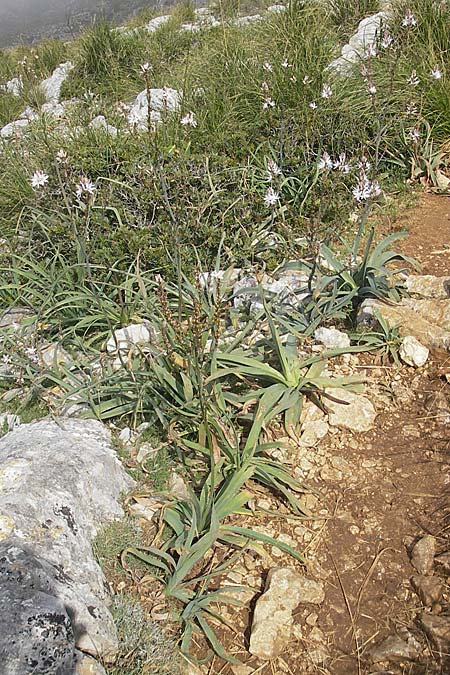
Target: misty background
{"x": 32, "y": 20}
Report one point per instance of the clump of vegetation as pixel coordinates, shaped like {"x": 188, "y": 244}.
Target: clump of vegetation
{"x": 269, "y": 161}
{"x": 144, "y": 647}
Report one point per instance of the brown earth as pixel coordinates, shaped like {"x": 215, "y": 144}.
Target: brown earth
{"x": 374, "y": 495}
{"x": 428, "y": 225}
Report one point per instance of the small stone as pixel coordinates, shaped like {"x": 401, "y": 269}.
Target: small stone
{"x": 138, "y": 335}
{"x": 177, "y": 487}
{"x": 100, "y": 123}
{"x": 284, "y": 539}
{"x": 438, "y": 630}
{"x": 125, "y": 435}
{"x": 355, "y": 413}
{"x": 242, "y": 670}
{"x": 51, "y": 87}
{"x": 319, "y": 653}
{"x": 14, "y": 317}
{"x": 341, "y": 464}
{"x": 146, "y": 507}
{"x": 272, "y": 619}
{"x": 429, "y": 589}
{"x": 394, "y": 648}
{"x": 412, "y": 352}
{"x": 86, "y": 665}
{"x": 331, "y": 474}
{"x": 422, "y": 555}
{"x": 311, "y": 619}
{"x": 313, "y": 432}
{"x": 53, "y": 355}
{"x": 145, "y": 450}
{"x": 276, "y": 9}
{"x": 332, "y": 338}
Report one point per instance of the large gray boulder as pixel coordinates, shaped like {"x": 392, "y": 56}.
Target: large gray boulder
{"x": 59, "y": 482}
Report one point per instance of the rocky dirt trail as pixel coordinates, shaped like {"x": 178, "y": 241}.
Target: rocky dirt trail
{"x": 374, "y": 596}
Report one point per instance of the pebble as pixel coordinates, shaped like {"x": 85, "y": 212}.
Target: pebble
{"x": 438, "y": 630}
{"x": 395, "y": 648}
{"x": 422, "y": 555}
{"x": 429, "y": 589}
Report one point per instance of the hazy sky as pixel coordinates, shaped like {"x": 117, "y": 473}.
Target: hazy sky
{"x": 31, "y": 20}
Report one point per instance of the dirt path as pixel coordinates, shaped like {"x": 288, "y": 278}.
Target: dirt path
{"x": 380, "y": 491}
{"x": 428, "y": 225}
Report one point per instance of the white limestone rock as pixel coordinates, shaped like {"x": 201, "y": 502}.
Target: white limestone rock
{"x": 13, "y": 86}
{"x": 14, "y": 318}
{"x": 56, "y": 110}
{"x": 156, "y": 23}
{"x": 354, "y": 50}
{"x": 272, "y": 618}
{"x": 14, "y": 128}
{"x": 332, "y": 338}
{"x": 355, "y": 413}
{"x": 165, "y": 100}
{"x": 53, "y": 354}
{"x": 51, "y": 87}
{"x": 246, "y": 20}
{"x": 100, "y": 122}
{"x": 428, "y": 286}
{"x": 59, "y": 482}
{"x": 412, "y": 352}
{"x": 136, "y": 335}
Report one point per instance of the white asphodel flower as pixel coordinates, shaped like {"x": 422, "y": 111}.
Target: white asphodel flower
{"x": 85, "y": 186}
{"x": 271, "y": 197}
{"x": 286, "y": 64}
{"x": 327, "y": 91}
{"x": 436, "y": 73}
{"x": 409, "y": 19}
{"x": 413, "y": 80}
{"x": 371, "y": 51}
{"x": 268, "y": 103}
{"x": 39, "y": 179}
{"x": 341, "y": 164}
{"x": 61, "y": 156}
{"x": 365, "y": 189}
{"x": 145, "y": 67}
{"x": 386, "y": 40}
{"x": 313, "y": 105}
{"x": 414, "y": 135}
{"x": 372, "y": 89}
{"x": 307, "y": 80}
{"x": 189, "y": 120}
{"x": 325, "y": 162}
{"x": 31, "y": 352}
{"x": 273, "y": 170}
{"x": 411, "y": 109}
{"x": 268, "y": 67}
{"x": 364, "y": 164}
